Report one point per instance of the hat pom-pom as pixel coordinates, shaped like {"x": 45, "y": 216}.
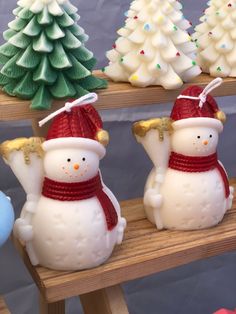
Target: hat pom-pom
{"x": 102, "y": 137}
{"x": 220, "y": 115}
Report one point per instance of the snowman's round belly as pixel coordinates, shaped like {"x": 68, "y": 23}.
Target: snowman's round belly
{"x": 192, "y": 200}
{"x": 71, "y": 235}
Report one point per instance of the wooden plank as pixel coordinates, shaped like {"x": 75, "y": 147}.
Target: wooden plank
{"x": 3, "y": 307}
{"x": 51, "y": 308}
{"x": 144, "y": 251}
{"x": 105, "y": 301}
{"x": 117, "y": 95}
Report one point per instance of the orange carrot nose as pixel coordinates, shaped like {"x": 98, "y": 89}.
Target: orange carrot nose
{"x": 76, "y": 166}
{"x": 205, "y": 142}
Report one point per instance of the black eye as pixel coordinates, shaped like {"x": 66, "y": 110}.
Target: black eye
{"x": 210, "y": 136}
{"x": 83, "y": 159}
{"x": 69, "y": 160}
{"x": 199, "y": 136}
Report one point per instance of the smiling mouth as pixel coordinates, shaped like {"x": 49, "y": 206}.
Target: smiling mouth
{"x": 203, "y": 148}
{"x": 76, "y": 175}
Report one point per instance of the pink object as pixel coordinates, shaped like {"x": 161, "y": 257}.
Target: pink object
{"x": 225, "y": 311}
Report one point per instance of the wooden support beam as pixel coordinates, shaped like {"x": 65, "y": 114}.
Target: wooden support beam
{"x": 51, "y": 308}
{"x": 3, "y": 307}
{"x": 110, "y": 300}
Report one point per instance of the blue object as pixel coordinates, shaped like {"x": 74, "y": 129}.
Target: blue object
{"x": 6, "y": 218}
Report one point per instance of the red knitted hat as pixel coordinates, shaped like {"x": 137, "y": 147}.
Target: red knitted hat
{"x": 195, "y": 107}
{"x": 75, "y": 127}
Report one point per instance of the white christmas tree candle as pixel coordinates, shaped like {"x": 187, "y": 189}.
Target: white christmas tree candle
{"x": 215, "y": 37}
{"x": 154, "y": 47}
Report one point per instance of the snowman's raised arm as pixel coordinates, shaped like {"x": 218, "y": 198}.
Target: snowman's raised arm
{"x": 154, "y": 135}
{"x": 24, "y": 156}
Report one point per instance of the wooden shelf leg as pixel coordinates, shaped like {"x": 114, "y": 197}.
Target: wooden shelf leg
{"x": 51, "y": 308}
{"x": 105, "y": 301}
{"x": 3, "y": 307}
{"x": 41, "y": 132}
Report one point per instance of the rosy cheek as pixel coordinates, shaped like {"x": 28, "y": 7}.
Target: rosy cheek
{"x": 65, "y": 171}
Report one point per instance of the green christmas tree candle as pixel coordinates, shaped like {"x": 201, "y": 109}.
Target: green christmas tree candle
{"x": 45, "y": 57}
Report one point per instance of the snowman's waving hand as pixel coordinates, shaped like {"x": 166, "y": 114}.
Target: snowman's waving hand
{"x": 154, "y": 135}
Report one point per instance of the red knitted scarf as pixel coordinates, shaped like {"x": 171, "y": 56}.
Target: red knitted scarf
{"x": 199, "y": 164}
{"x": 63, "y": 191}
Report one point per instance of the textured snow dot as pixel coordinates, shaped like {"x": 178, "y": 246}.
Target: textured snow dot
{"x": 49, "y": 241}
{"x": 178, "y": 207}
{"x": 61, "y": 241}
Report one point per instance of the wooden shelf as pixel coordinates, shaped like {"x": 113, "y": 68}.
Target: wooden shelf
{"x": 145, "y": 251}
{"x": 3, "y": 307}
{"x": 118, "y": 95}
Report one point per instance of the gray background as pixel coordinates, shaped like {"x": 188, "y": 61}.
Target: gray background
{"x": 198, "y": 288}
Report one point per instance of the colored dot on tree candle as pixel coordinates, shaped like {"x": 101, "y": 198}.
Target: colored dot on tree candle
{"x": 158, "y": 66}
{"x": 217, "y": 13}
{"x": 229, "y": 5}
{"x": 126, "y": 13}
{"x": 134, "y": 77}
{"x": 160, "y": 19}
{"x": 177, "y": 54}
{"x": 135, "y": 17}
{"x": 175, "y": 28}
{"x": 103, "y": 69}
{"x": 210, "y": 33}
{"x": 114, "y": 46}
{"x": 121, "y": 59}
{"x": 142, "y": 52}
{"x": 194, "y": 63}
{"x": 219, "y": 69}
{"x": 147, "y": 27}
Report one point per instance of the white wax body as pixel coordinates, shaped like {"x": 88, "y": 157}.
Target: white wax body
{"x": 190, "y": 200}
{"x": 72, "y": 235}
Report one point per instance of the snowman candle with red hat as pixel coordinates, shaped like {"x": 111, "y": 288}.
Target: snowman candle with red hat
{"x": 71, "y": 220}
{"x": 188, "y": 188}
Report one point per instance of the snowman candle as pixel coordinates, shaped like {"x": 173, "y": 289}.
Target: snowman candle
{"x": 71, "y": 220}
{"x": 188, "y": 188}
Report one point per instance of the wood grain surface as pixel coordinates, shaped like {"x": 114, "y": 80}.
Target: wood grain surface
{"x": 144, "y": 251}
{"x": 51, "y": 308}
{"x": 3, "y": 307}
{"x": 118, "y": 95}
{"x": 105, "y": 301}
